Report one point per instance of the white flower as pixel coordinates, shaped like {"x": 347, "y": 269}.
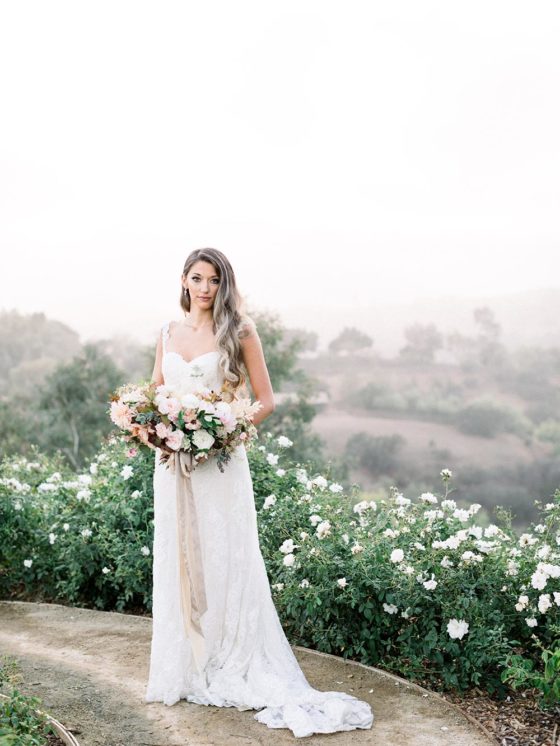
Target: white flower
{"x": 446, "y": 474}
{"x": 512, "y": 567}
{"x": 448, "y": 504}
{"x": 278, "y": 586}
{"x": 475, "y": 507}
{"x": 47, "y": 487}
{"x": 202, "y": 439}
{"x": 401, "y": 500}
{"x": 345, "y": 538}
{"x": 314, "y": 519}
{"x": 323, "y": 529}
{"x": 408, "y": 570}
{"x": 457, "y": 628}
{"x": 491, "y": 530}
{"x": 105, "y": 570}
{"x": 289, "y": 560}
{"x": 397, "y": 555}
{"x": 446, "y": 562}
{"x": 320, "y": 481}
{"x": 303, "y": 535}
{"x": 342, "y": 582}
{"x": 54, "y": 477}
{"x": 28, "y": 562}
{"x": 540, "y": 528}
{"x": 543, "y": 552}
{"x": 287, "y": 546}
{"x": 85, "y": 532}
{"x": 18, "y": 505}
{"x": 405, "y": 614}
{"x": 335, "y": 487}
{"x": 526, "y": 540}
{"x": 556, "y": 597}
{"x": 127, "y": 471}
{"x": 93, "y": 468}
{"x": 280, "y": 472}
{"x": 553, "y": 571}
{"x": 390, "y": 533}
{"x": 427, "y": 497}
{"x": 301, "y": 476}
{"x": 531, "y": 622}
{"x": 85, "y": 479}
{"x": 360, "y": 507}
{"x": 52, "y": 538}
{"x": 549, "y": 506}
{"x": 145, "y": 551}
{"x": 539, "y": 580}
{"x": 136, "y": 493}
{"x": 304, "y": 583}
{"x": 420, "y": 547}
{"x": 283, "y": 441}
{"x": 84, "y": 494}
{"x": 544, "y": 602}
{"x": 269, "y": 501}
{"x": 476, "y": 531}
{"x": 390, "y": 608}
{"x": 431, "y": 584}
{"x": 357, "y": 548}
{"x": 272, "y": 459}
{"x": 522, "y": 603}
{"x": 462, "y": 515}
{"x": 66, "y": 526}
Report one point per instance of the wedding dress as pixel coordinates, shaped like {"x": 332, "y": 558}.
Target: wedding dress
{"x": 250, "y": 664}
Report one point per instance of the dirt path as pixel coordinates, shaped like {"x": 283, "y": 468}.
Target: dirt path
{"x": 91, "y": 667}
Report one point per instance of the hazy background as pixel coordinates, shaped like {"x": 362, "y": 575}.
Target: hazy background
{"x": 366, "y": 164}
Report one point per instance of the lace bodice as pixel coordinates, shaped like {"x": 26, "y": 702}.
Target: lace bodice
{"x": 202, "y": 370}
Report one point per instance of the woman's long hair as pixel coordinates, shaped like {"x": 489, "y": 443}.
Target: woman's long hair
{"x": 231, "y": 322}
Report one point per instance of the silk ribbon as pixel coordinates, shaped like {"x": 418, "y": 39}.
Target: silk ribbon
{"x": 191, "y": 575}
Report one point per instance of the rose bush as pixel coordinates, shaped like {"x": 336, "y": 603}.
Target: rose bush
{"x": 421, "y": 586}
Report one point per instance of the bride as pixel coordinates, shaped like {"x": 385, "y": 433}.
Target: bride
{"x": 248, "y": 662}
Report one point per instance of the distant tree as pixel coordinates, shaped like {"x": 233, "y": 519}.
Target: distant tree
{"x": 423, "y": 340}
{"x": 308, "y": 340}
{"x": 350, "y": 340}
{"x": 375, "y": 454}
{"x": 491, "y": 352}
{"x": 28, "y": 337}
{"x": 73, "y": 403}
{"x": 291, "y": 418}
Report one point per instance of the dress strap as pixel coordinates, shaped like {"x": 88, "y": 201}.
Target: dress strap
{"x": 164, "y": 336}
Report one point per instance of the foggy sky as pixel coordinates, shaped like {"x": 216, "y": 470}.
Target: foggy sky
{"x": 339, "y": 154}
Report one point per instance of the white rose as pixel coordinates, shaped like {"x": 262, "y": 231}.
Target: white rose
{"x": 202, "y": 439}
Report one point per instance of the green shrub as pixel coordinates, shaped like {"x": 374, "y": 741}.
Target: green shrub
{"x": 415, "y": 586}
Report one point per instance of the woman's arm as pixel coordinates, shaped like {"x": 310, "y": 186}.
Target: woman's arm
{"x": 157, "y": 374}
{"x": 253, "y": 358}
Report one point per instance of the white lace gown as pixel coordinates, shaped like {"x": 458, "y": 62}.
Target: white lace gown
{"x": 250, "y": 664}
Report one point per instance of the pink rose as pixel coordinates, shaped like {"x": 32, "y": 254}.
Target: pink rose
{"x": 120, "y": 414}
{"x": 131, "y": 453}
{"x": 175, "y": 440}
{"x": 162, "y": 431}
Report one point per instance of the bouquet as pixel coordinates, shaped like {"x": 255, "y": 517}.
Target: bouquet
{"x": 203, "y": 423}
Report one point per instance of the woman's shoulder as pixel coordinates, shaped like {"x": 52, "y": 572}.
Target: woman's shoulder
{"x": 246, "y": 327}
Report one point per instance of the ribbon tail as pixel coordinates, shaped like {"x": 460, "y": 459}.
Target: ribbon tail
{"x": 191, "y": 574}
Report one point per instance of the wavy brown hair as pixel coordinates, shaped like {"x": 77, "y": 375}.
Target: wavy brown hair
{"x": 231, "y": 322}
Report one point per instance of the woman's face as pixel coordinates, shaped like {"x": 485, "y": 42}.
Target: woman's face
{"x": 202, "y": 282}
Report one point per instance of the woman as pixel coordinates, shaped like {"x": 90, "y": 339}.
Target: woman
{"x": 248, "y": 662}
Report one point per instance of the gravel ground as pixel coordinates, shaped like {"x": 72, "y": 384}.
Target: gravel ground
{"x": 90, "y": 669}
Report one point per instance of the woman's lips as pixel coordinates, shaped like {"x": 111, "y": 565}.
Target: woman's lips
{"x": 203, "y": 297}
